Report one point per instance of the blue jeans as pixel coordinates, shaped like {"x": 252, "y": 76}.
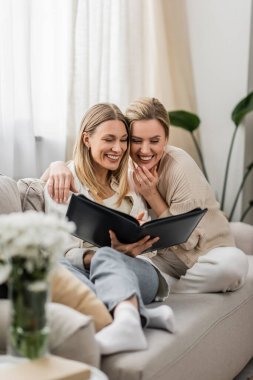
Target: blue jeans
{"x": 117, "y": 277}
{"x": 82, "y": 275}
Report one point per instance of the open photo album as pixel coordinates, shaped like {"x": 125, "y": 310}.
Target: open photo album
{"x": 93, "y": 222}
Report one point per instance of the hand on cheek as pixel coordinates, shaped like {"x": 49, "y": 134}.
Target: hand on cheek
{"x": 145, "y": 181}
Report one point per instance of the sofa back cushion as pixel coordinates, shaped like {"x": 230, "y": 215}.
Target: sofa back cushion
{"x": 9, "y": 196}
{"x": 31, "y": 194}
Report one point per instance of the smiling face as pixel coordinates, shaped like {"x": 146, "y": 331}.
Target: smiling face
{"x": 147, "y": 142}
{"x": 107, "y": 144}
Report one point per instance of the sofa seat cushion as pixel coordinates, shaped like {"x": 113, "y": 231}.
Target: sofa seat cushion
{"x": 214, "y": 329}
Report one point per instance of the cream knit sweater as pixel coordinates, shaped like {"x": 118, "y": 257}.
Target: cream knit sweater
{"x": 184, "y": 187}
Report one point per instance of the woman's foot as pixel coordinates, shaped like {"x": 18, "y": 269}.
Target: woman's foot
{"x": 124, "y": 334}
{"x": 161, "y": 317}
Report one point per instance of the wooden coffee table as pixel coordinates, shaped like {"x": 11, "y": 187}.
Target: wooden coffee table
{"x": 7, "y": 362}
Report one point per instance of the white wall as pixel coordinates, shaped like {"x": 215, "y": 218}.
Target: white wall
{"x": 248, "y": 193}
{"x": 219, "y": 32}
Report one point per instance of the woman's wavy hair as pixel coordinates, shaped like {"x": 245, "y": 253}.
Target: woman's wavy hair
{"x": 146, "y": 109}
{"x": 96, "y": 115}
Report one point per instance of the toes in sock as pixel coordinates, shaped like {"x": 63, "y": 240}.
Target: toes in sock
{"x": 124, "y": 334}
{"x": 161, "y": 317}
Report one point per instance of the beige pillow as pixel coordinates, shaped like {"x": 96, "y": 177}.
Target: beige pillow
{"x": 68, "y": 290}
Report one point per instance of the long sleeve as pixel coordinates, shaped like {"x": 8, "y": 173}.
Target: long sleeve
{"x": 184, "y": 188}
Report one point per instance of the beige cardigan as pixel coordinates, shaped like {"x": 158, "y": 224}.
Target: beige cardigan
{"x": 184, "y": 187}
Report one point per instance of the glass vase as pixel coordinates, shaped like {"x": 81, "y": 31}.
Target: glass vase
{"x": 28, "y": 295}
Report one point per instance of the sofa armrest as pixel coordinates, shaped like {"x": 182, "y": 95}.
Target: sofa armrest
{"x": 10, "y": 198}
{"x": 72, "y": 334}
{"x": 243, "y": 235}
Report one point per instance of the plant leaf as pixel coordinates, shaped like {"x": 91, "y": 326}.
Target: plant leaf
{"x": 184, "y": 119}
{"x": 242, "y": 109}
{"x": 250, "y": 166}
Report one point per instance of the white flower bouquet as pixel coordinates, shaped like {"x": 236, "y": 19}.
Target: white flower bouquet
{"x": 30, "y": 244}
{"x": 33, "y": 236}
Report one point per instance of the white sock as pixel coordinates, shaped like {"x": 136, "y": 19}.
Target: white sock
{"x": 161, "y": 317}
{"x": 124, "y": 333}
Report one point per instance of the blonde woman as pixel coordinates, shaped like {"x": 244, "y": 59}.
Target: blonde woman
{"x": 171, "y": 183}
{"x": 123, "y": 282}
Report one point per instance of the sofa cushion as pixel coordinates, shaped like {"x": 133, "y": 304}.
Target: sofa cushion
{"x": 9, "y": 199}
{"x": 71, "y": 333}
{"x": 68, "y": 290}
{"x": 31, "y": 194}
{"x": 213, "y": 340}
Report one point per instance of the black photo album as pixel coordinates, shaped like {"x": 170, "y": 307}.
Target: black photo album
{"x": 93, "y": 222}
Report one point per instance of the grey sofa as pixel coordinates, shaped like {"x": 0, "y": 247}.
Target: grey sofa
{"x": 214, "y": 338}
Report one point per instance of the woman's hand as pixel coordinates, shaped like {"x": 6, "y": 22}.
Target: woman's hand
{"x": 87, "y": 257}
{"x": 146, "y": 184}
{"x": 146, "y": 181}
{"x": 140, "y": 218}
{"x": 133, "y": 249}
{"x": 60, "y": 181}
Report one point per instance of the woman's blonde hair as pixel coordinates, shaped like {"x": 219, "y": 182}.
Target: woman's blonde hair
{"x": 146, "y": 109}
{"x": 96, "y": 115}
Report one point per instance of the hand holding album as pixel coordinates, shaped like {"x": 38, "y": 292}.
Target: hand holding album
{"x": 140, "y": 218}
{"x": 133, "y": 249}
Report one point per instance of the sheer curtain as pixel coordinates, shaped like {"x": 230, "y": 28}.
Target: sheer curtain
{"x": 123, "y": 49}
{"x": 59, "y": 57}
{"x": 17, "y": 153}
{"x": 34, "y": 47}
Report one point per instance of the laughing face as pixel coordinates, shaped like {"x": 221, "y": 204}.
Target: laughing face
{"x": 107, "y": 145}
{"x": 147, "y": 142}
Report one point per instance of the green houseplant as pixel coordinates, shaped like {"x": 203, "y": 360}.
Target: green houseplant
{"x": 191, "y": 122}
